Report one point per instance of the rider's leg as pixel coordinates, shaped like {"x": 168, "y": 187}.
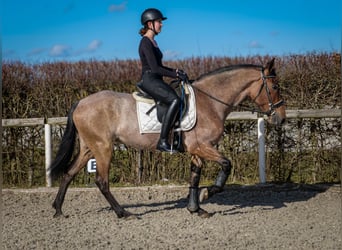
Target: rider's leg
{"x": 167, "y": 124}
{"x": 154, "y": 85}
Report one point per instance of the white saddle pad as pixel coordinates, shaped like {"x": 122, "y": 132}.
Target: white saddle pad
{"x": 148, "y": 123}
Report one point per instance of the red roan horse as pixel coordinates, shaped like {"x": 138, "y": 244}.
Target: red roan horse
{"x": 105, "y": 118}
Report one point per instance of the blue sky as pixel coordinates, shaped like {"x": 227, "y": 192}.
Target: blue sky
{"x": 43, "y": 31}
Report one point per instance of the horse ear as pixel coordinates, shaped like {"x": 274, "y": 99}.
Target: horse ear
{"x": 270, "y": 66}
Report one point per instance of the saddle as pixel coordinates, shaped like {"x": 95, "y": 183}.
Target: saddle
{"x": 181, "y": 90}
{"x": 150, "y": 113}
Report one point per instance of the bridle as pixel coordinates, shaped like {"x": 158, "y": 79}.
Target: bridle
{"x": 272, "y": 106}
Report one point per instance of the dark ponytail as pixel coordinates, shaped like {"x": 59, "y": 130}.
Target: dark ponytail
{"x": 143, "y": 30}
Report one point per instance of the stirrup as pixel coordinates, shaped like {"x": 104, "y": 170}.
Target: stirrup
{"x": 164, "y": 146}
{"x": 177, "y": 143}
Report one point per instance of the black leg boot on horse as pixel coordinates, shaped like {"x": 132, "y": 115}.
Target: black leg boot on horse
{"x": 168, "y": 122}
{"x": 193, "y": 204}
{"x": 207, "y": 192}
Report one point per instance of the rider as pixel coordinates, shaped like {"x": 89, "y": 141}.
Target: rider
{"x": 153, "y": 72}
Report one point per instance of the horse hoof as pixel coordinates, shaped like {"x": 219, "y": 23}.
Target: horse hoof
{"x": 60, "y": 215}
{"x": 131, "y": 217}
{"x": 204, "y": 194}
{"x": 203, "y": 214}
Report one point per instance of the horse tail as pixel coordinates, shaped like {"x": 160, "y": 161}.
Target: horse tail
{"x": 61, "y": 163}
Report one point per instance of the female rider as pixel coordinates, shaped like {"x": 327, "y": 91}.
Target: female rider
{"x": 153, "y": 72}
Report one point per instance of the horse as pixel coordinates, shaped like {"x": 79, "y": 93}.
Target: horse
{"x": 103, "y": 119}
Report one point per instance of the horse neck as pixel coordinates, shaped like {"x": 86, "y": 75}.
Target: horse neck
{"x": 229, "y": 88}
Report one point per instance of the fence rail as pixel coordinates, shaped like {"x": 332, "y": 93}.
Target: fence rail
{"x": 290, "y": 114}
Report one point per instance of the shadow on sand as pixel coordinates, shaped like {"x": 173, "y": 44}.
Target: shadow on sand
{"x": 238, "y": 197}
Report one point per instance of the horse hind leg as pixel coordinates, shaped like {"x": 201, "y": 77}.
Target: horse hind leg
{"x": 102, "y": 181}
{"x": 104, "y": 188}
{"x": 77, "y": 164}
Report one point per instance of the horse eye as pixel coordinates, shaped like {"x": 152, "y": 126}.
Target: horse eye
{"x": 275, "y": 86}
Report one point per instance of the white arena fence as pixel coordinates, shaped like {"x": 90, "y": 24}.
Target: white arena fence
{"x": 241, "y": 116}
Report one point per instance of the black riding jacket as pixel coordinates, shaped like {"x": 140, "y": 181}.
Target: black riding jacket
{"x": 151, "y": 59}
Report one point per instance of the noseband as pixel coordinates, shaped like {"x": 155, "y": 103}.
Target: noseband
{"x": 272, "y": 106}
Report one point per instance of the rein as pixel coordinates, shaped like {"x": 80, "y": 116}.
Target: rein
{"x": 272, "y": 106}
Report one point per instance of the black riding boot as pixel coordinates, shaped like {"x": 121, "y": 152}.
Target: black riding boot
{"x": 168, "y": 121}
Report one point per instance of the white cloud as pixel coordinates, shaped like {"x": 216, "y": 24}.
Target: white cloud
{"x": 94, "y": 45}
{"x": 170, "y": 54}
{"x": 255, "y": 45}
{"x": 117, "y": 7}
{"x": 59, "y": 50}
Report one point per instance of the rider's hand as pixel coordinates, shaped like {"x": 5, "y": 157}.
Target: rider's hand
{"x": 182, "y": 75}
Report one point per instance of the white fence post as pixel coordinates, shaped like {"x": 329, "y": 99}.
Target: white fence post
{"x": 261, "y": 146}
{"x": 48, "y": 157}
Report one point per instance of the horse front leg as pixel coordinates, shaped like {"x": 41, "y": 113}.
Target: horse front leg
{"x": 221, "y": 179}
{"x": 193, "y": 204}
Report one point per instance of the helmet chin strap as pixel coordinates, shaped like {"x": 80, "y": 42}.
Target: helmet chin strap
{"x": 154, "y": 29}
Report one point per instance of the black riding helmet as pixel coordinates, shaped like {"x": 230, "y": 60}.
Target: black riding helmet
{"x": 151, "y": 14}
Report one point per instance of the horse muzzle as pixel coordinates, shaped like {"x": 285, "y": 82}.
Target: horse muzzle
{"x": 277, "y": 118}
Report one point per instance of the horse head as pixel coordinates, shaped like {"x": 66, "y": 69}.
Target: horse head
{"x": 267, "y": 96}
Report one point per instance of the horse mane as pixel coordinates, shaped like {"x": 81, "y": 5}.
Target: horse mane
{"x": 228, "y": 68}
